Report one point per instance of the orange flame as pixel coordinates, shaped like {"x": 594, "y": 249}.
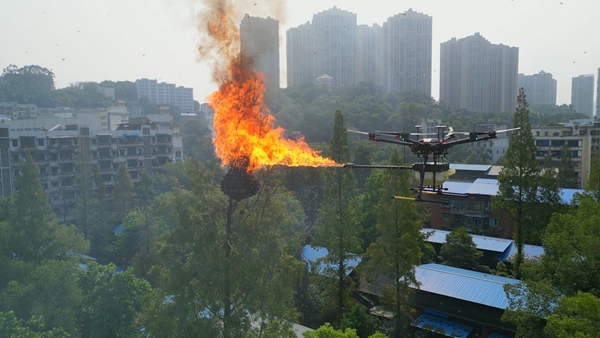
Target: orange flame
{"x": 244, "y": 131}
{"x": 245, "y": 136}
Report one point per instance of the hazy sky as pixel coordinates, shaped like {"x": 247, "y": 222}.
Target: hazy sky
{"x": 96, "y": 40}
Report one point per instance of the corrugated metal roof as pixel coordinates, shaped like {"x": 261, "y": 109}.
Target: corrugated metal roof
{"x": 442, "y": 326}
{"x": 567, "y": 194}
{"x": 530, "y": 252}
{"x": 483, "y": 186}
{"x": 471, "y": 167}
{"x": 457, "y": 187}
{"x": 471, "y": 286}
{"x": 489, "y": 187}
{"x": 485, "y": 243}
{"x": 313, "y": 254}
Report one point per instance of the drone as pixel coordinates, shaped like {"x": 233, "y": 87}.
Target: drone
{"x": 432, "y": 171}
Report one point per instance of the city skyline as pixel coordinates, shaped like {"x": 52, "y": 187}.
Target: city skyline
{"x": 117, "y": 41}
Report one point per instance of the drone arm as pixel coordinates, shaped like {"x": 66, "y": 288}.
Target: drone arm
{"x": 374, "y": 166}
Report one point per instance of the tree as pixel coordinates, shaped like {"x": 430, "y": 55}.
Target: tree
{"x": 123, "y": 193}
{"x": 460, "y": 251}
{"x": 359, "y": 320}
{"x": 46, "y": 289}
{"x": 576, "y": 316}
{"x": 28, "y": 85}
{"x": 337, "y": 228}
{"x": 111, "y": 301}
{"x": 248, "y": 246}
{"x": 396, "y": 250}
{"x": 11, "y": 326}
{"x": 34, "y": 233}
{"x": 571, "y": 259}
{"x": 567, "y": 176}
{"x": 520, "y": 189}
{"x": 327, "y": 331}
{"x": 593, "y": 184}
{"x": 529, "y": 304}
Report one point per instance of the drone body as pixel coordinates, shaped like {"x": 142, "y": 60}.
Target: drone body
{"x": 432, "y": 171}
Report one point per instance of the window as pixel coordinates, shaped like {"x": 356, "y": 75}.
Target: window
{"x": 41, "y": 142}
{"x": 15, "y": 143}
{"x": 493, "y": 222}
{"x": 445, "y": 216}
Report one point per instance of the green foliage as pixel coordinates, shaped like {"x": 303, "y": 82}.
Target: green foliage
{"x": 26, "y": 85}
{"x": 337, "y": 227}
{"x": 111, "y": 302}
{"x": 32, "y": 231}
{"x": 81, "y": 95}
{"x": 11, "y": 326}
{"x": 364, "y": 324}
{"x": 577, "y": 316}
{"x": 529, "y": 304}
{"x": 47, "y": 289}
{"x": 571, "y": 257}
{"x": 124, "y": 90}
{"x": 548, "y": 114}
{"x": 248, "y": 246}
{"x": 197, "y": 140}
{"x": 524, "y": 190}
{"x": 567, "y": 177}
{"x": 460, "y": 251}
{"x": 123, "y": 193}
{"x": 593, "y": 184}
{"x": 327, "y": 331}
{"x": 396, "y": 250}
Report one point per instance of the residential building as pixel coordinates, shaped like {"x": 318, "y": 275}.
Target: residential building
{"x": 453, "y": 210}
{"x": 407, "y": 52}
{"x": 477, "y": 75}
{"x": 582, "y": 138}
{"x": 369, "y": 54}
{"x": 15, "y": 111}
{"x": 300, "y": 55}
{"x": 144, "y": 146}
{"x": 166, "y": 93}
{"x": 582, "y": 94}
{"x": 597, "y": 95}
{"x": 334, "y": 36}
{"x": 539, "y": 88}
{"x": 259, "y": 39}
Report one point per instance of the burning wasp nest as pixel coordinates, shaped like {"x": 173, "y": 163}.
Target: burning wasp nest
{"x": 239, "y": 184}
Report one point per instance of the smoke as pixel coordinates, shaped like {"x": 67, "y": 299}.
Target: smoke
{"x": 218, "y": 26}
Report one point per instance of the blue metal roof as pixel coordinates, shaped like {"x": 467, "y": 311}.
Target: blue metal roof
{"x": 313, "y": 254}
{"x": 457, "y": 187}
{"x": 489, "y": 187}
{"x": 482, "y": 242}
{"x": 566, "y": 194}
{"x": 530, "y": 252}
{"x": 484, "y": 186}
{"x": 442, "y": 326}
{"x": 471, "y": 286}
{"x": 505, "y": 248}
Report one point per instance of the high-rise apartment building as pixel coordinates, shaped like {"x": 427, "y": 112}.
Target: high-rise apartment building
{"x": 407, "y": 50}
{"x": 582, "y": 94}
{"x": 539, "y": 88}
{"x": 166, "y": 93}
{"x": 369, "y": 54}
{"x": 597, "y": 94}
{"x": 260, "y": 43}
{"x": 300, "y": 55}
{"x": 477, "y": 75}
{"x": 334, "y": 36}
